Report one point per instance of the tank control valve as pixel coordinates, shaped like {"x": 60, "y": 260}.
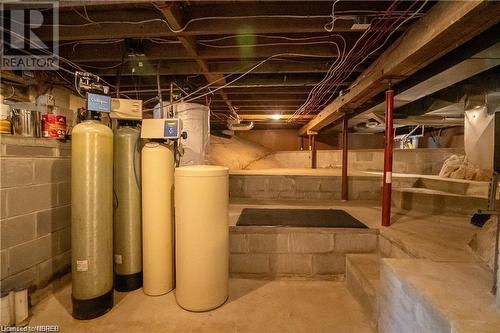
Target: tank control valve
{"x": 184, "y": 135}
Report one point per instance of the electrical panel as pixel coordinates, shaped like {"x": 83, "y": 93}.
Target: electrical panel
{"x": 126, "y": 109}
{"x": 162, "y": 128}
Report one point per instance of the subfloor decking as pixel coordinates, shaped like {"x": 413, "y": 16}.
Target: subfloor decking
{"x": 253, "y": 306}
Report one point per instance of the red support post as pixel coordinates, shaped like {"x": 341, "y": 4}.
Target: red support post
{"x": 313, "y": 152}
{"x": 389, "y": 140}
{"x": 345, "y": 159}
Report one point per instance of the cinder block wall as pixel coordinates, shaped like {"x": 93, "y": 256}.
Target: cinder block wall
{"x": 35, "y": 211}
{"x": 416, "y": 161}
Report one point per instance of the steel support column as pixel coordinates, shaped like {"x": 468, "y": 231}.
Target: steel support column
{"x": 345, "y": 159}
{"x": 389, "y": 140}
{"x": 313, "y": 152}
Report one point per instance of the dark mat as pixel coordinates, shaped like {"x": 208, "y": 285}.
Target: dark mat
{"x": 318, "y": 218}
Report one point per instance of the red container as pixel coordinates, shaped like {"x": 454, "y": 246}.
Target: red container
{"x": 54, "y": 126}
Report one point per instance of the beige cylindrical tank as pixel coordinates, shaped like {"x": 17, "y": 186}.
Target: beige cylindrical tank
{"x": 92, "y": 219}
{"x": 157, "y": 218}
{"x": 127, "y": 232}
{"x": 201, "y": 236}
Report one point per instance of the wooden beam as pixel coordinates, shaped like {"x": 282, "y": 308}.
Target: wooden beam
{"x": 262, "y": 81}
{"x": 446, "y": 26}
{"x": 187, "y": 49}
{"x": 190, "y": 68}
{"x": 306, "y": 20}
{"x": 173, "y": 14}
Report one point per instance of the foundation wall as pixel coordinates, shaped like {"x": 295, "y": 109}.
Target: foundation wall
{"x": 317, "y": 253}
{"x": 35, "y": 211}
{"x": 309, "y": 187}
{"x": 418, "y": 161}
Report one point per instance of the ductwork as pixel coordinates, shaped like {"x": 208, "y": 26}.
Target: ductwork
{"x": 239, "y": 126}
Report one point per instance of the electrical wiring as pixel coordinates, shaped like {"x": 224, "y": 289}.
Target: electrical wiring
{"x": 264, "y": 36}
{"x": 72, "y": 64}
{"x": 162, "y": 41}
{"x": 350, "y": 15}
{"x": 86, "y": 16}
{"x": 92, "y": 42}
{"x": 333, "y": 74}
{"x": 320, "y": 87}
{"x": 353, "y": 67}
{"x": 264, "y": 44}
{"x": 378, "y": 48}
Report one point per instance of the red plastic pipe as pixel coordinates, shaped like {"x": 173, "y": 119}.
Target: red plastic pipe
{"x": 345, "y": 160}
{"x": 388, "y": 149}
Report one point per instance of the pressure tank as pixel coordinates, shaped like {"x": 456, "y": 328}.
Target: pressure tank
{"x": 157, "y": 218}
{"x": 127, "y": 232}
{"x": 201, "y": 236}
{"x": 92, "y": 219}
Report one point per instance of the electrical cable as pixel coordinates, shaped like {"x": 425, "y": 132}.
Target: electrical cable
{"x": 328, "y": 77}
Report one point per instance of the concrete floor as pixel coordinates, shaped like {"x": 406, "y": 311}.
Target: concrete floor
{"x": 278, "y": 305}
{"x": 253, "y": 306}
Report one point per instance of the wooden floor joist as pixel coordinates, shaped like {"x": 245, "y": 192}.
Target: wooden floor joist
{"x": 447, "y": 25}
{"x": 173, "y": 15}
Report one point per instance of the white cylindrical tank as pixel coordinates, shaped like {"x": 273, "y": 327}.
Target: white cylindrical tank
{"x": 157, "y": 218}
{"x": 201, "y": 236}
{"x": 92, "y": 219}
{"x": 196, "y": 123}
{"x": 127, "y": 233}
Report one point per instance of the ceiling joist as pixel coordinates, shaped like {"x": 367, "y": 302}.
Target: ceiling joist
{"x": 447, "y": 25}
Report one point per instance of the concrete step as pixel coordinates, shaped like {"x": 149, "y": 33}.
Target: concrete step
{"x": 436, "y": 201}
{"x": 421, "y": 295}
{"x": 362, "y": 279}
{"x": 454, "y": 186}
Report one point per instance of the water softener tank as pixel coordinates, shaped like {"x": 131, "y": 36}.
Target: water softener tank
{"x": 157, "y": 218}
{"x": 127, "y": 235}
{"x": 92, "y": 219}
{"x": 201, "y": 236}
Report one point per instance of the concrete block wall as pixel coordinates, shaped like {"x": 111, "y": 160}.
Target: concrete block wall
{"x": 294, "y": 187}
{"x": 298, "y": 252}
{"x": 417, "y": 161}
{"x": 35, "y": 219}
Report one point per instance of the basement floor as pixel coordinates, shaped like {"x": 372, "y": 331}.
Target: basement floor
{"x": 253, "y": 306}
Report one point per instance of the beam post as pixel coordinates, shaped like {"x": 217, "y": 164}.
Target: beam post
{"x": 313, "y": 152}
{"x": 388, "y": 151}
{"x": 345, "y": 159}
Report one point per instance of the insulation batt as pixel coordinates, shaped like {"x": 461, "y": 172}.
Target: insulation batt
{"x": 459, "y": 167}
